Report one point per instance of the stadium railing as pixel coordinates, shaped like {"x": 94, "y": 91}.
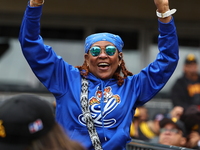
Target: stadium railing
{"x": 142, "y": 145}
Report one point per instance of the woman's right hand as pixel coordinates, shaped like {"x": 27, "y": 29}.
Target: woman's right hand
{"x": 36, "y": 3}
{"x": 162, "y": 7}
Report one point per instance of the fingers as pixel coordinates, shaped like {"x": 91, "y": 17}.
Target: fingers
{"x": 162, "y": 5}
{"x": 35, "y": 3}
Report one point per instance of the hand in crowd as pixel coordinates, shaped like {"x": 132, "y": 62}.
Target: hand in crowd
{"x": 176, "y": 112}
{"x": 194, "y": 137}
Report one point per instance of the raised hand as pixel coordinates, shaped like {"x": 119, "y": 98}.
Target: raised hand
{"x": 35, "y": 3}
{"x": 162, "y": 5}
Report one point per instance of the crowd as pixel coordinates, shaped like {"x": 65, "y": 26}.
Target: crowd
{"x": 181, "y": 125}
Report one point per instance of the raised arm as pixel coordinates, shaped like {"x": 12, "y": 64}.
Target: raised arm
{"x": 154, "y": 77}
{"x": 49, "y": 68}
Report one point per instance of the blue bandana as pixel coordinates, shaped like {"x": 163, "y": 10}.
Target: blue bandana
{"x": 115, "y": 39}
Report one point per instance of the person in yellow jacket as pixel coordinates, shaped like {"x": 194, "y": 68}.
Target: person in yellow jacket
{"x": 141, "y": 128}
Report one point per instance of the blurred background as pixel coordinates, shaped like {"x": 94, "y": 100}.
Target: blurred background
{"x": 66, "y": 23}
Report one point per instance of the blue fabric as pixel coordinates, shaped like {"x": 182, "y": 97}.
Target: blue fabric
{"x": 111, "y": 106}
{"x": 115, "y": 39}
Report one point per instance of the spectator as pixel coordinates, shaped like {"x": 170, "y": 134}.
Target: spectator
{"x": 141, "y": 128}
{"x": 191, "y": 119}
{"x": 100, "y": 96}
{"x": 193, "y": 140}
{"x": 176, "y": 112}
{"x": 135, "y": 124}
{"x": 186, "y": 90}
{"x": 172, "y": 132}
{"x": 27, "y": 123}
{"x": 154, "y": 126}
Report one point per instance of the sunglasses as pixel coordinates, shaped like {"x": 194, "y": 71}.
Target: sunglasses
{"x": 162, "y": 130}
{"x": 109, "y": 50}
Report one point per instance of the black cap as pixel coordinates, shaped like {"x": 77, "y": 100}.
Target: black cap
{"x": 178, "y": 123}
{"x": 23, "y": 118}
{"x": 190, "y": 58}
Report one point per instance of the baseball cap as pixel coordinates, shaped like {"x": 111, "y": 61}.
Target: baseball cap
{"x": 190, "y": 58}
{"x": 23, "y": 118}
{"x": 178, "y": 123}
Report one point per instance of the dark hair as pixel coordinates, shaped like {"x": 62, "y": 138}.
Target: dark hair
{"x": 55, "y": 139}
{"x": 84, "y": 70}
{"x": 191, "y": 118}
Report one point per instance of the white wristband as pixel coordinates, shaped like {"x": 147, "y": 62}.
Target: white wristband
{"x": 166, "y": 14}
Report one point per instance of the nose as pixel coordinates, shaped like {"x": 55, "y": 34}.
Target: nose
{"x": 103, "y": 54}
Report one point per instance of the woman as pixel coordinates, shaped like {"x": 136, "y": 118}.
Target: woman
{"x": 112, "y": 98}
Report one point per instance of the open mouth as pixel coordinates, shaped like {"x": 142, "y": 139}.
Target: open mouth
{"x": 103, "y": 65}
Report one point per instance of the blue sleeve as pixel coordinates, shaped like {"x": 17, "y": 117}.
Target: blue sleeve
{"x": 49, "y": 68}
{"x": 153, "y": 78}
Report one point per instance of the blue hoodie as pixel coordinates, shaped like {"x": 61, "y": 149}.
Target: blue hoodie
{"x": 112, "y": 106}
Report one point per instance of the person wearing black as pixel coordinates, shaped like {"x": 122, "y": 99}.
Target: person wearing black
{"x": 186, "y": 90}
{"x": 191, "y": 119}
{"x": 27, "y": 123}
{"x": 172, "y": 132}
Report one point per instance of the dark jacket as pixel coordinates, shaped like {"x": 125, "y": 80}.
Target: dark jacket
{"x": 185, "y": 92}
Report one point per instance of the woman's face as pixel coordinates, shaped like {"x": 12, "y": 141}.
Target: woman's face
{"x": 103, "y": 66}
